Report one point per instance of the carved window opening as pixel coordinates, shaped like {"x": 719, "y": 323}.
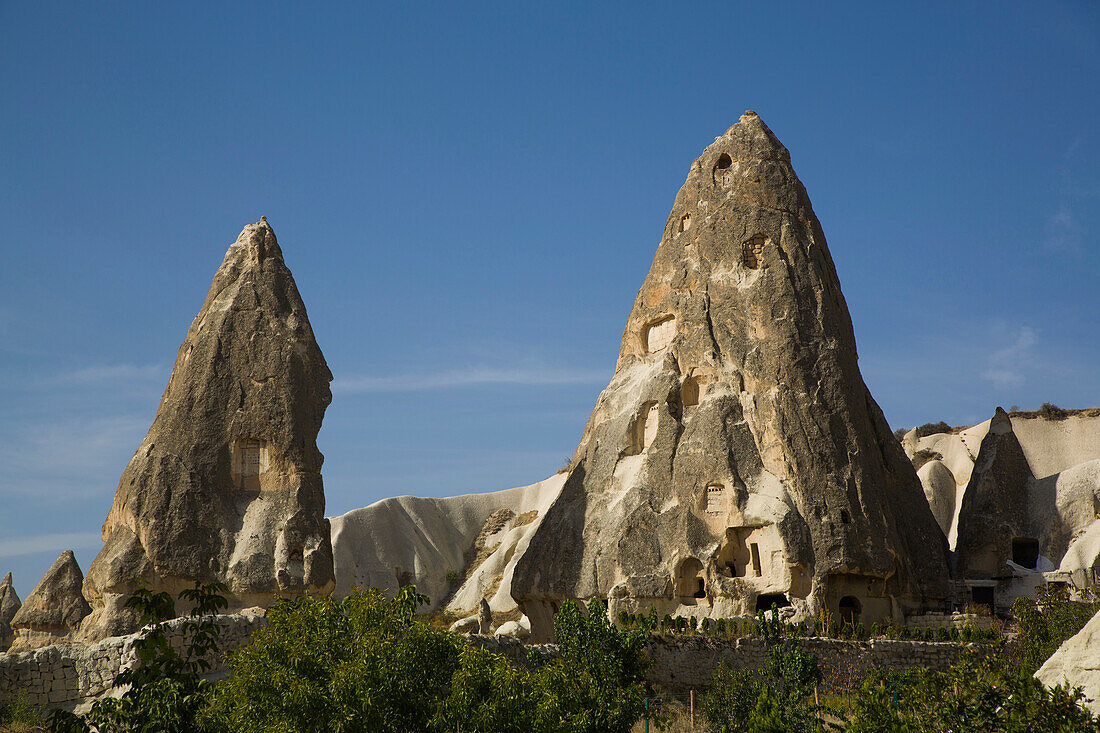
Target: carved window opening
{"x": 643, "y": 429}
{"x": 716, "y": 500}
{"x": 691, "y": 391}
{"x": 850, "y": 609}
{"x": 720, "y": 172}
{"x": 249, "y": 462}
{"x": 690, "y": 583}
{"x": 658, "y": 334}
{"x": 685, "y": 223}
{"x": 1025, "y": 552}
{"x": 754, "y": 555}
{"x": 752, "y": 252}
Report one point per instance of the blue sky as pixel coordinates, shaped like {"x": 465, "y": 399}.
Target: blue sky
{"x": 469, "y": 199}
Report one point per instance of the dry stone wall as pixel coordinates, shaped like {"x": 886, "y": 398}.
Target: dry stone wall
{"x": 65, "y": 676}
{"x": 684, "y": 663}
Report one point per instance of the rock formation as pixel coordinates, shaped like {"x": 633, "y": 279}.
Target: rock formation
{"x": 456, "y": 550}
{"x": 227, "y": 485}
{"x": 54, "y": 609}
{"x": 9, "y": 605}
{"x": 1026, "y": 496}
{"x": 484, "y": 618}
{"x": 1076, "y": 663}
{"x": 737, "y": 459}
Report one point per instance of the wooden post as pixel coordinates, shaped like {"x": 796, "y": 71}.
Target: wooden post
{"x": 692, "y": 709}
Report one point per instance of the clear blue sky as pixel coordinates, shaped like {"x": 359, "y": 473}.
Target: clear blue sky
{"x": 469, "y": 200}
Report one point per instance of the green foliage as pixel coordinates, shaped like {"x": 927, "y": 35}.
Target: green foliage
{"x": 1047, "y": 411}
{"x": 930, "y": 428}
{"x": 1045, "y": 622}
{"x": 979, "y": 694}
{"x": 600, "y": 678}
{"x": 164, "y": 691}
{"x": 18, "y": 714}
{"x": 780, "y": 698}
{"x": 358, "y": 664}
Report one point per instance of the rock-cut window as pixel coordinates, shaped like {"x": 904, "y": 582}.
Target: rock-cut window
{"x": 752, "y": 252}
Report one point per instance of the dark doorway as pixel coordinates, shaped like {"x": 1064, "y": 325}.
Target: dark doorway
{"x": 766, "y": 601}
{"x": 982, "y": 595}
{"x": 849, "y": 610}
{"x": 1025, "y": 552}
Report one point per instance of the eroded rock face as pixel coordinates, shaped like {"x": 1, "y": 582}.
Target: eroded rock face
{"x": 9, "y": 606}
{"x": 1076, "y": 663}
{"x": 54, "y": 609}
{"x": 737, "y": 458}
{"x": 227, "y": 484}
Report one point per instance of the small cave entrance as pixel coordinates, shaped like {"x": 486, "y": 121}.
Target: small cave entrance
{"x": 691, "y": 391}
{"x": 720, "y": 172}
{"x": 982, "y": 595}
{"x": 685, "y": 222}
{"x": 752, "y": 252}
{"x": 739, "y": 557}
{"x": 765, "y": 601}
{"x": 1025, "y": 552}
{"x": 643, "y": 429}
{"x": 691, "y": 586}
{"x": 850, "y": 609}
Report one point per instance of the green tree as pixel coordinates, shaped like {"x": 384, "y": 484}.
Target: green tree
{"x": 1046, "y": 621}
{"x": 358, "y": 664}
{"x": 164, "y": 691}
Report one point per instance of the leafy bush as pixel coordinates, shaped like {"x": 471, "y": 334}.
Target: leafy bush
{"x": 1048, "y": 411}
{"x": 932, "y": 428}
{"x": 780, "y": 698}
{"x": 1045, "y": 622}
{"x": 978, "y": 694}
{"x": 164, "y": 691}
{"x": 924, "y": 455}
{"x": 17, "y": 714}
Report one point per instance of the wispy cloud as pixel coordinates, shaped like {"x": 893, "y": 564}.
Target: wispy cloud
{"x": 470, "y": 377}
{"x": 1005, "y": 364}
{"x": 68, "y": 457}
{"x": 15, "y": 546}
{"x": 111, "y": 373}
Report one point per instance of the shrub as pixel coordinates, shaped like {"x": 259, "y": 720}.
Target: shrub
{"x": 924, "y": 455}
{"x": 693, "y": 624}
{"x": 1045, "y": 622}
{"x": 720, "y": 628}
{"x": 900, "y": 434}
{"x": 18, "y": 714}
{"x": 859, "y": 631}
{"x": 954, "y": 633}
{"x": 165, "y": 691}
{"x": 932, "y": 428}
{"x": 1048, "y": 411}
{"x": 876, "y": 632}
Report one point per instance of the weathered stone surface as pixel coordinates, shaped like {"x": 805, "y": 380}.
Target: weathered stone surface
{"x": 457, "y": 550}
{"x": 1077, "y": 664}
{"x": 737, "y": 457}
{"x": 227, "y": 484}
{"x": 9, "y": 606}
{"x": 54, "y": 609}
{"x": 484, "y": 618}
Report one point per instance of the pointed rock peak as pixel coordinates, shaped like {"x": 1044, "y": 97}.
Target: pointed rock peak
{"x": 54, "y": 608}
{"x": 7, "y": 581}
{"x": 227, "y": 484}
{"x": 1001, "y": 423}
{"x": 737, "y": 457}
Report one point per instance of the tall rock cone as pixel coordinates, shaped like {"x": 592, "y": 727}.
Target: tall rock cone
{"x": 227, "y": 485}
{"x": 9, "y": 606}
{"x": 737, "y": 459}
{"x": 53, "y": 611}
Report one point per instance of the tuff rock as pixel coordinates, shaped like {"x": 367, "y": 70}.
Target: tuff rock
{"x": 9, "y": 606}
{"x": 737, "y": 459}
{"x": 53, "y": 611}
{"x": 227, "y": 484}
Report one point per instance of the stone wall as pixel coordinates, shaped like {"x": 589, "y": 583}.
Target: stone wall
{"x": 949, "y": 620}
{"x": 65, "y": 676}
{"x": 681, "y": 663}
